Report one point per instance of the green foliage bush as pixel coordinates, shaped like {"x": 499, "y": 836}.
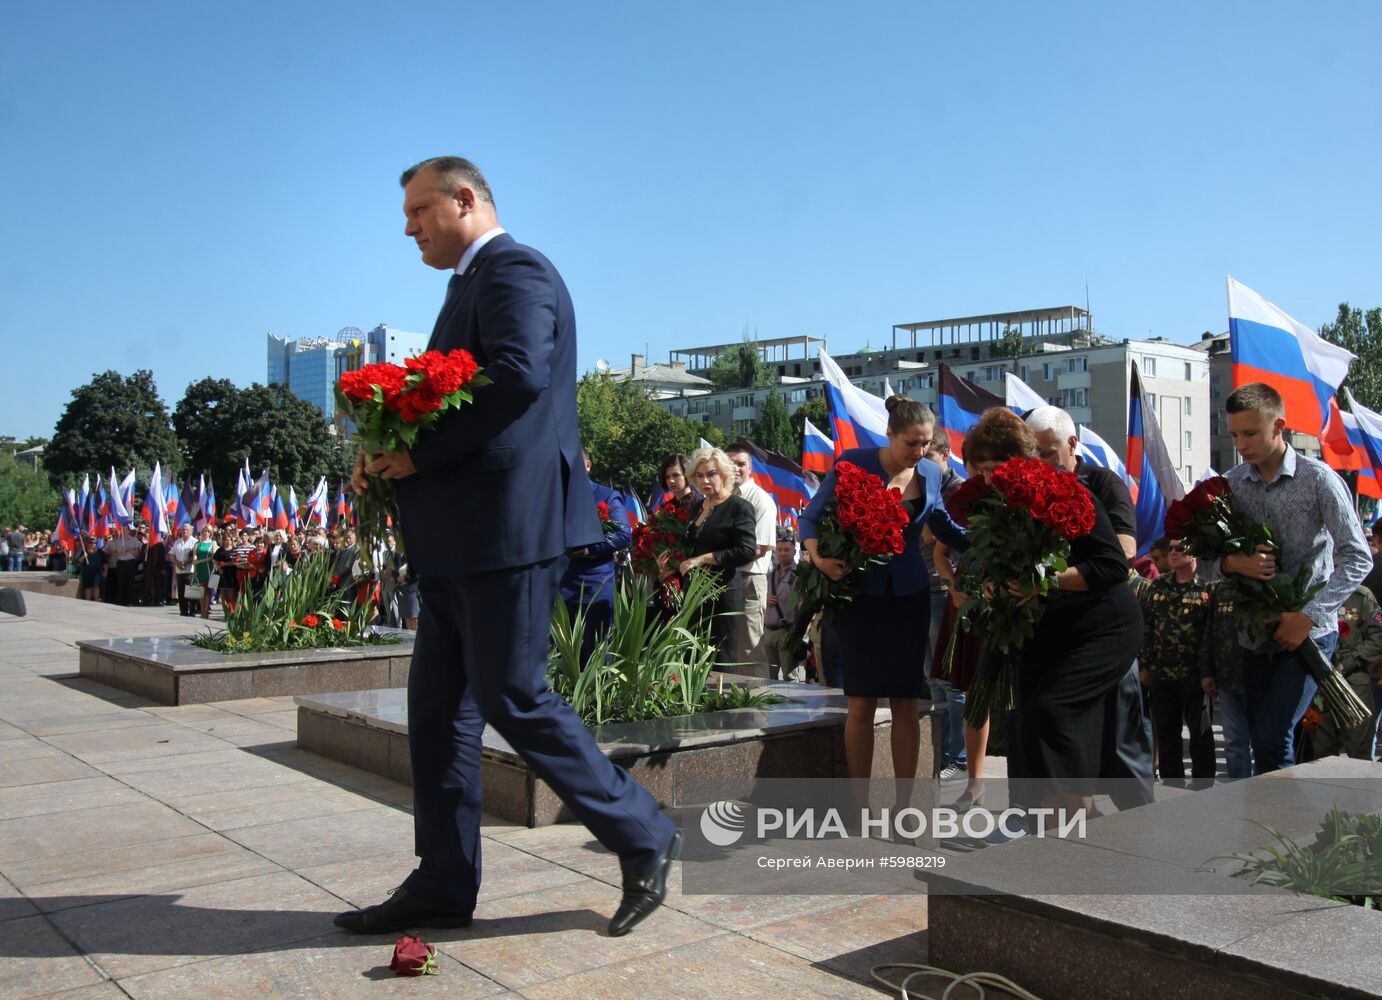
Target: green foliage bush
{"x": 295, "y": 609}
{"x": 1344, "y": 862}
{"x": 646, "y": 666}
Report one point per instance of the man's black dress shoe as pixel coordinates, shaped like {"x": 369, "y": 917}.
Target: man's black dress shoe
{"x": 399, "y": 912}
{"x": 644, "y": 893}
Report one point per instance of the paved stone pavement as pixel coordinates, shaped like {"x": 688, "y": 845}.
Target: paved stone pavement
{"x": 154, "y": 851}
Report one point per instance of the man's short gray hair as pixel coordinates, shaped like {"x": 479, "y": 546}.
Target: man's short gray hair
{"x": 1052, "y": 418}
{"x": 453, "y": 173}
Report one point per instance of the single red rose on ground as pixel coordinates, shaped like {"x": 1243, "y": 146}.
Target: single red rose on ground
{"x": 413, "y": 957}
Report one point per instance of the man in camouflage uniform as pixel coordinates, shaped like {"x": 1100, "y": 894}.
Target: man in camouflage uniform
{"x": 1176, "y": 612}
{"x": 1360, "y": 646}
{"x": 1221, "y": 674}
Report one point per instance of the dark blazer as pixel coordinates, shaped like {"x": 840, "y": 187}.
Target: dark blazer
{"x": 500, "y": 483}
{"x": 590, "y": 577}
{"x": 728, "y": 533}
{"x": 907, "y": 572}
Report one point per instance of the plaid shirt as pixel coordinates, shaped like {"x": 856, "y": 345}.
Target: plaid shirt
{"x": 1311, "y": 516}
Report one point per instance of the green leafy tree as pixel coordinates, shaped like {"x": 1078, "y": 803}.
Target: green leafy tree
{"x": 111, "y": 420}
{"x": 814, "y": 410}
{"x": 627, "y": 433}
{"x": 740, "y": 368}
{"x": 204, "y": 419}
{"x": 26, "y": 495}
{"x": 1009, "y": 345}
{"x": 773, "y": 428}
{"x": 221, "y": 425}
{"x": 1362, "y": 334}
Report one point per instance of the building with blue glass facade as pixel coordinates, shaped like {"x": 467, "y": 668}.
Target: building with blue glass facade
{"x": 310, "y": 366}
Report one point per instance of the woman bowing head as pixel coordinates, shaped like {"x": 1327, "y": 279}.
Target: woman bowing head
{"x": 882, "y": 632}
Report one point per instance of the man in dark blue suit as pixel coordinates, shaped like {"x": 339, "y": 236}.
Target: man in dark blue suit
{"x": 491, "y": 500}
{"x": 588, "y": 583}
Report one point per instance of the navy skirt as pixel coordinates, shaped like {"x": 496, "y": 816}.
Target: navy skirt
{"x": 882, "y": 643}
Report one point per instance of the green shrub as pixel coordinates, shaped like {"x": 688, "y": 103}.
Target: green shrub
{"x": 1343, "y": 863}
{"x": 297, "y": 608}
{"x": 646, "y": 666}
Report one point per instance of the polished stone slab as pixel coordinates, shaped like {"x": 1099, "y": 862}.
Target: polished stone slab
{"x": 802, "y": 736}
{"x": 1140, "y": 900}
{"x": 172, "y": 671}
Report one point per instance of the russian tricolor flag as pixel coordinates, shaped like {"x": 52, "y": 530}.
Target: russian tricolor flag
{"x": 1271, "y": 347}
{"x": 633, "y": 507}
{"x": 154, "y": 512}
{"x": 857, "y": 419}
{"x": 1150, "y": 465}
{"x": 1364, "y": 428}
{"x": 1096, "y": 450}
{"x": 961, "y": 403}
{"x": 817, "y": 450}
{"x": 1020, "y": 396}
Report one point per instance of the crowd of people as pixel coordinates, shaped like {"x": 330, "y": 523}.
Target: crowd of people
{"x": 200, "y": 570}
{"x": 22, "y": 549}
{"x": 1133, "y": 658}
{"x": 1133, "y": 661}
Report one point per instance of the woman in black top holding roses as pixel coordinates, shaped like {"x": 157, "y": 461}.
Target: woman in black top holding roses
{"x": 1068, "y": 675}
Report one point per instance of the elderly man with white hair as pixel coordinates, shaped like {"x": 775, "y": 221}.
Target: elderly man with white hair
{"x": 1127, "y": 758}
{"x": 1058, "y": 444}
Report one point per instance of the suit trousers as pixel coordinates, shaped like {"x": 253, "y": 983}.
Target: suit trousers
{"x": 481, "y": 657}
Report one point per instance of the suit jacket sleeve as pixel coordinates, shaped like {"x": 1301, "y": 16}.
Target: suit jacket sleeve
{"x": 517, "y": 325}
{"x": 615, "y": 540}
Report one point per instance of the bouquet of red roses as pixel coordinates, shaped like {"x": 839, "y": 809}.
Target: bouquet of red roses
{"x": 390, "y": 405}
{"x": 607, "y": 523}
{"x": 860, "y": 525}
{"x": 663, "y": 533}
{"x": 1213, "y": 526}
{"x": 1019, "y": 522}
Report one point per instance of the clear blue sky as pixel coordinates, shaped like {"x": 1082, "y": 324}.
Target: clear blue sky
{"x": 177, "y": 180}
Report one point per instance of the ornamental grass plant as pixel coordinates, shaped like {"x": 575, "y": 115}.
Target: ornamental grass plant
{"x": 650, "y": 664}
{"x": 297, "y": 608}
{"x": 1344, "y": 863}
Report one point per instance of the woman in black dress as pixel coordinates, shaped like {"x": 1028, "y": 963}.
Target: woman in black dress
{"x": 1068, "y": 675}
{"x": 720, "y": 537}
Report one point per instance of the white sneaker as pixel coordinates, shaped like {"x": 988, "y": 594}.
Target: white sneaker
{"x": 952, "y": 772}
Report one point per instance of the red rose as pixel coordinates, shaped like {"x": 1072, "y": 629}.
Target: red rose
{"x": 1344, "y": 629}
{"x": 602, "y": 509}
{"x": 311, "y": 621}
{"x": 413, "y": 957}
{"x": 1178, "y": 518}
{"x": 337, "y": 624}
{"x": 1216, "y": 487}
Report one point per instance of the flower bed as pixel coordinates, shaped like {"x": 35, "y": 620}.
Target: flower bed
{"x": 295, "y": 609}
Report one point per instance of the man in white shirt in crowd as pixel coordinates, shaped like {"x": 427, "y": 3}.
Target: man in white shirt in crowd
{"x": 181, "y": 555}
{"x": 754, "y": 575}
{"x": 126, "y": 550}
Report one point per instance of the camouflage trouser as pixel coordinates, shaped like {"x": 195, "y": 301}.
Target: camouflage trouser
{"x": 1357, "y": 741}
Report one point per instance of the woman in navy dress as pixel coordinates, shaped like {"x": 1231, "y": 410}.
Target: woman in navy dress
{"x": 882, "y": 632}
